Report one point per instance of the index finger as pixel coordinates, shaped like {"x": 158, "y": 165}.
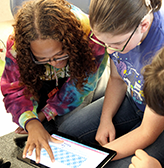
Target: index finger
{"x": 25, "y": 151}
{"x": 111, "y": 138}
{"x": 49, "y": 151}
{"x": 48, "y": 148}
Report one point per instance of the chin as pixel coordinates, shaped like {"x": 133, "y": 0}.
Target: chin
{"x": 60, "y": 64}
{"x": 128, "y": 49}
{"x": 59, "y": 67}
{"x": 124, "y": 52}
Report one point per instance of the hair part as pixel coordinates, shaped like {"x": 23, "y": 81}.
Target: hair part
{"x": 153, "y": 88}
{"x": 119, "y": 16}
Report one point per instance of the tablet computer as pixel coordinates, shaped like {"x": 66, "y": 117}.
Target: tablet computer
{"x": 71, "y": 153}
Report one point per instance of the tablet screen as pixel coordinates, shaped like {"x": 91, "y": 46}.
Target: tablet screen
{"x": 72, "y": 154}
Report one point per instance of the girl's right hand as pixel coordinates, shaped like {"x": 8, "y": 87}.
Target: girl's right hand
{"x": 38, "y": 138}
{"x": 106, "y": 132}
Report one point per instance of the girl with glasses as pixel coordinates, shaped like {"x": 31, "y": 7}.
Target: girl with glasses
{"x": 52, "y": 69}
{"x": 132, "y": 32}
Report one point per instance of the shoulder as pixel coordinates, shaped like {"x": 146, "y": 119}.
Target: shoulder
{"x": 158, "y": 21}
{"x": 155, "y": 38}
{"x": 10, "y": 49}
{"x": 162, "y": 10}
{"x": 83, "y": 17}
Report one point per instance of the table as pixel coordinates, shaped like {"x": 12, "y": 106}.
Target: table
{"x": 9, "y": 151}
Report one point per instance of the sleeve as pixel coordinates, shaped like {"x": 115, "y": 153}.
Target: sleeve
{"x": 15, "y": 101}
{"x": 23, "y": 109}
{"x": 83, "y": 17}
{"x": 68, "y": 97}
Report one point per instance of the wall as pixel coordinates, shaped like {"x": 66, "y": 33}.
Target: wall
{"x": 5, "y": 13}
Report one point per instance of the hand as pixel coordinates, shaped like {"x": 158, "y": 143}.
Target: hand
{"x": 38, "y": 138}
{"x": 20, "y": 130}
{"x": 143, "y": 160}
{"x": 106, "y": 132}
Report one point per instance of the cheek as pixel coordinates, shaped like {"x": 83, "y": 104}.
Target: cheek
{"x": 109, "y": 51}
{"x": 63, "y": 63}
{"x": 60, "y": 64}
{"x": 132, "y": 44}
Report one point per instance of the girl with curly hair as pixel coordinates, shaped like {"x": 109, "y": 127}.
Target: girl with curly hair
{"x": 51, "y": 69}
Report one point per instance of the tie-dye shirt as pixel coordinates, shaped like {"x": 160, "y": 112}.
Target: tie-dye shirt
{"x": 65, "y": 100}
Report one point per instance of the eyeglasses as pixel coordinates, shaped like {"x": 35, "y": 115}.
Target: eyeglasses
{"x": 49, "y": 60}
{"x": 114, "y": 49}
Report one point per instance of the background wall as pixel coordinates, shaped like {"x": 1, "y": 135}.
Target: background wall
{"x": 6, "y": 20}
{"x": 5, "y": 13}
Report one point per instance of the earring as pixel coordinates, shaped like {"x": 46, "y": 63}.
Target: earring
{"x": 148, "y": 3}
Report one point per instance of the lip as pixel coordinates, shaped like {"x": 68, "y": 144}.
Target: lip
{"x": 61, "y": 64}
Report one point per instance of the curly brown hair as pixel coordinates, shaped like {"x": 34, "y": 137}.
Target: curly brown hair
{"x": 51, "y": 19}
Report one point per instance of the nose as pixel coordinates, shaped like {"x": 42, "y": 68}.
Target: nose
{"x": 53, "y": 63}
{"x": 110, "y": 51}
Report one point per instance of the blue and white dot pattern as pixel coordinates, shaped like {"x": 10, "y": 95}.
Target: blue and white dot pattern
{"x": 65, "y": 157}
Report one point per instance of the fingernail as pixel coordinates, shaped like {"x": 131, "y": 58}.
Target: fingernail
{"x": 37, "y": 160}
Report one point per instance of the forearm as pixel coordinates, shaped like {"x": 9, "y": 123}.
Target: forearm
{"x": 127, "y": 144}
{"x": 114, "y": 95}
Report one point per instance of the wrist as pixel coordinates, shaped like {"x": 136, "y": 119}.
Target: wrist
{"x": 30, "y": 124}
{"x": 106, "y": 117}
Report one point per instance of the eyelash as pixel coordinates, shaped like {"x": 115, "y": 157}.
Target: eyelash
{"x": 52, "y": 56}
{"x": 60, "y": 54}
{"x": 116, "y": 44}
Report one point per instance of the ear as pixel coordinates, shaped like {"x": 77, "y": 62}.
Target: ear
{"x": 145, "y": 25}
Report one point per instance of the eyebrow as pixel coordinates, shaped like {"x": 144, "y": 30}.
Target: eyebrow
{"x": 42, "y": 58}
{"x": 117, "y": 43}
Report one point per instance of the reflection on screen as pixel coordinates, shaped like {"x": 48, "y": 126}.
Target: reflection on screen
{"x": 71, "y": 154}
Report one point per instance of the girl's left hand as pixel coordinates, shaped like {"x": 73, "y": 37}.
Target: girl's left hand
{"x": 143, "y": 160}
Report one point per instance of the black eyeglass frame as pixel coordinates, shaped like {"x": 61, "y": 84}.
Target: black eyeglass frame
{"x": 114, "y": 49}
{"x": 50, "y": 60}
